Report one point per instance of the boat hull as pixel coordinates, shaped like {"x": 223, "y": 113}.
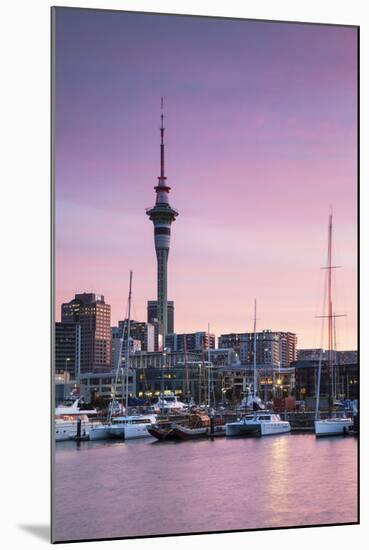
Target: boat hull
{"x": 129, "y": 431}
{"x": 99, "y": 432}
{"x": 65, "y": 431}
{"x": 236, "y": 429}
{"x": 185, "y": 433}
{"x": 162, "y": 434}
{"x": 274, "y": 429}
{"x": 333, "y": 426}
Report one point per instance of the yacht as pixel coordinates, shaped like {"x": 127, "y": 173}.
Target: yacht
{"x": 333, "y": 426}
{"x": 124, "y": 427}
{"x": 66, "y": 419}
{"x": 131, "y": 427}
{"x": 168, "y": 403}
{"x": 259, "y": 423}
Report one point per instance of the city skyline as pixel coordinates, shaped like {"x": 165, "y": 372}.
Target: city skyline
{"x": 260, "y": 142}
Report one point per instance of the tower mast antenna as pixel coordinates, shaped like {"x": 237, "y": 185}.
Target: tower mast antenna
{"x": 162, "y": 176}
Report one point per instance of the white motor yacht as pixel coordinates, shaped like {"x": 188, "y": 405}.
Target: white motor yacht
{"x": 66, "y": 420}
{"x": 124, "y": 427}
{"x": 169, "y": 403}
{"x": 259, "y": 423}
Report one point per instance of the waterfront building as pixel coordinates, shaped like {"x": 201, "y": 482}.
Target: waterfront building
{"x": 90, "y": 311}
{"x": 65, "y": 387}
{"x": 271, "y": 382}
{"x": 194, "y": 341}
{"x": 277, "y": 349}
{"x": 343, "y": 380}
{"x": 185, "y": 374}
{"x": 347, "y": 357}
{"x": 162, "y": 215}
{"x": 152, "y": 314}
{"x": 68, "y": 348}
{"x": 157, "y": 359}
{"x": 95, "y": 385}
{"x": 312, "y": 354}
{"x": 342, "y": 357}
{"x": 170, "y": 371}
{"x": 224, "y": 357}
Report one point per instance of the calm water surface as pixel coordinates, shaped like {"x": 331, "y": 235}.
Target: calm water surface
{"x": 108, "y": 489}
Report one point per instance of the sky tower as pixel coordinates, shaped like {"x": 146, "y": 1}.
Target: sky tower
{"x": 162, "y": 215}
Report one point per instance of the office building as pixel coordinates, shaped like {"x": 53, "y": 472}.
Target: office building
{"x": 90, "y": 311}
{"x": 194, "y": 341}
{"x": 276, "y": 349}
{"x": 68, "y": 348}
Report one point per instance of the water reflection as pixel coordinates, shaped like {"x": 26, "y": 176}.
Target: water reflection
{"x": 140, "y": 487}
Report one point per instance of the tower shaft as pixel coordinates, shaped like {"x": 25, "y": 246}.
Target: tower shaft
{"x": 162, "y": 288}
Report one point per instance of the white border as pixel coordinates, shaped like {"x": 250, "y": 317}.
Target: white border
{"x": 24, "y": 222}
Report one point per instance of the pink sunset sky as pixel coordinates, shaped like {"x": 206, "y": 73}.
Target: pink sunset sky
{"x": 261, "y": 140}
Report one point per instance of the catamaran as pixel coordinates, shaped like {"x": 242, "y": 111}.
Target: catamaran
{"x": 259, "y": 423}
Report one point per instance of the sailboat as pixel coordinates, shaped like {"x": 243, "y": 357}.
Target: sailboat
{"x": 251, "y": 400}
{"x": 331, "y": 425}
{"x": 124, "y": 427}
{"x": 260, "y": 422}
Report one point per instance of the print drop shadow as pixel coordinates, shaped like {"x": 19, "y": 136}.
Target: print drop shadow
{"x": 40, "y": 531}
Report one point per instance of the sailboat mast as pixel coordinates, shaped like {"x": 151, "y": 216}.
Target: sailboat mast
{"x": 187, "y": 386}
{"x": 331, "y": 327}
{"x": 254, "y": 352}
{"x": 334, "y": 360}
{"x": 330, "y": 315}
{"x": 209, "y": 371}
{"x": 128, "y": 334}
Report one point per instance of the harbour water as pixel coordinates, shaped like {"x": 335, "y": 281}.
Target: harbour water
{"x": 144, "y": 487}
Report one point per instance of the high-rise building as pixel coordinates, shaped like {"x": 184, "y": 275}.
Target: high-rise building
{"x": 142, "y": 338}
{"x": 194, "y": 341}
{"x": 288, "y": 348}
{"x": 276, "y": 349}
{"x": 68, "y": 348}
{"x": 162, "y": 215}
{"x": 138, "y": 330}
{"x": 152, "y": 314}
{"x": 93, "y": 315}
{"x": 118, "y": 345}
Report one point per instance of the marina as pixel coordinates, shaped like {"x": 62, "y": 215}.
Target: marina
{"x": 144, "y": 487}
{"x": 205, "y": 361}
